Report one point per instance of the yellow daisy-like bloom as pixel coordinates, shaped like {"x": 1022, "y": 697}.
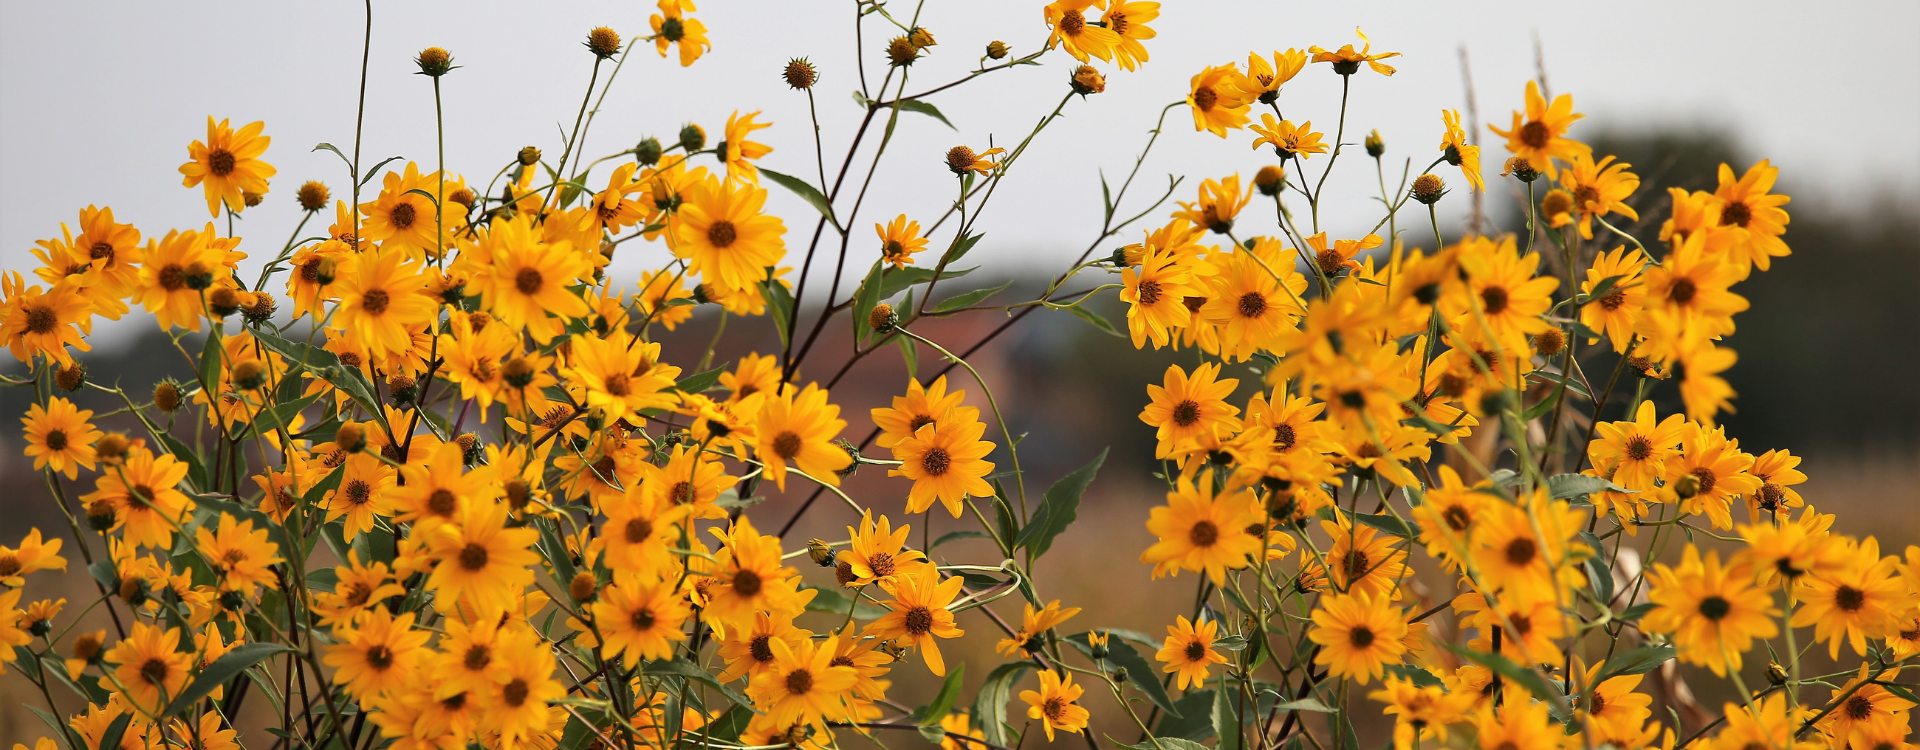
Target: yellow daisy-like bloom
{"x": 956, "y": 724}
{"x": 613, "y": 211}
{"x": 1363, "y": 560}
{"x": 518, "y": 709}
{"x": 618, "y": 379}
{"x": 664, "y": 298}
{"x": 382, "y": 300}
{"x": 1772, "y": 725}
{"x": 33, "y": 555}
{"x": 1055, "y": 704}
{"x": 672, "y": 27}
{"x": 59, "y": 437}
{"x": 1188, "y": 407}
{"x": 920, "y": 614}
{"x": 1613, "y": 313}
{"x": 1747, "y": 203}
{"x": 899, "y": 240}
{"x": 37, "y": 322}
{"x": 142, "y": 497}
{"x": 1341, "y": 255}
{"x": 1287, "y": 140}
{"x": 1347, "y": 62}
{"x": 640, "y": 620}
{"x": 722, "y": 232}
{"x": 689, "y": 482}
{"x": 1636, "y": 452}
{"x": 66, "y": 259}
{"x": 1422, "y": 712}
{"x": 1154, "y": 297}
{"x": 1865, "y": 703}
{"x": 1794, "y": 548}
{"x": 945, "y": 460}
{"x": 1860, "y": 600}
{"x": 1714, "y": 470}
{"x": 800, "y": 427}
{"x": 1511, "y": 298}
{"x": 1068, "y": 20}
{"x": 753, "y": 376}
{"x": 961, "y": 160}
{"x": 1520, "y": 725}
{"x": 1539, "y": 136}
{"x": 920, "y": 407}
{"x": 359, "y": 590}
{"x": 1359, "y": 635}
{"x": 749, "y": 650}
{"x": 402, "y": 220}
{"x": 1597, "y": 189}
{"x": 526, "y": 282}
{"x": 1128, "y": 19}
{"x": 804, "y": 685}
{"x": 1218, "y": 98}
{"x": 641, "y": 529}
{"x": 876, "y": 552}
{"x": 315, "y": 268}
{"x": 113, "y": 251}
{"x": 737, "y": 152}
{"x": 1220, "y": 201}
{"x": 1703, "y": 391}
{"x": 1776, "y": 472}
{"x": 1204, "y": 533}
{"x": 241, "y": 557}
{"x": 227, "y": 165}
{"x": 1525, "y": 565}
{"x": 439, "y": 491}
{"x": 1033, "y": 624}
{"x": 1248, "y": 308}
{"x": 1189, "y": 649}
{"x": 481, "y": 563}
{"x": 174, "y": 271}
{"x": 751, "y": 579}
{"x": 1263, "y": 80}
{"x": 1458, "y": 151}
{"x": 1713, "y": 613}
{"x": 150, "y": 664}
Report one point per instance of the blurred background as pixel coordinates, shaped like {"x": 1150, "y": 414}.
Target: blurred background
{"x": 98, "y": 102}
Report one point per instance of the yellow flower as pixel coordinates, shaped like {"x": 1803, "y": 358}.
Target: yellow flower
{"x": 378, "y": 655}
{"x": 1363, "y": 560}
{"x": 1714, "y": 470}
{"x": 360, "y": 589}
{"x": 1204, "y": 533}
{"x": 663, "y": 299}
{"x": 403, "y": 221}
{"x": 241, "y": 557}
{"x": 1771, "y": 725}
{"x": 899, "y": 240}
{"x": 142, "y": 497}
{"x": 1747, "y": 203}
{"x": 1189, "y": 649}
{"x": 751, "y": 579}
{"x": 1359, "y": 635}
{"x": 876, "y": 552}
{"x": 803, "y": 684}
{"x": 1422, "y": 712}
{"x": 481, "y": 563}
{"x": 228, "y": 164}
{"x": 382, "y": 300}
{"x": 620, "y": 377}
{"x": 59, "y": 437}
{"x": 177, "y": 270}
{"x": 1154, "y": 297}
{"x": 1598, "y": 188}
{"x": 524, "y": 280}
{"x": 956, "y": 724}
{"x": 112, "y": 250}
{"x": 1263, "y": 81}
{"x": 1613, "y": 313}
{"x": 640, "y": 529}
{"x": 723, "y": 233}
{"x": 961, "y": 160}
{"x": 1539, "y": 136}
{"x": 518, "y": 708}
{"x": 753, "y": 376}
{"x": 1458, "y": 151}
{"x": 441, "y": 490}
{"x": 920, "y": 407}
{"x": 1127, "y": 19}
{"x": 1068, "y": 20}
{"x": 749, "y": 650}
{"x": 672, "y": 27}
{"x": 920, "y": 614}
{"x": 1635, "y": 453}
{"x": 800, "y": 427}
{"x": 1713, "y": 613}
{"x": 1860, "y": 600}
{"x": 1188, "y": 407}
{"x": 946, "y": 462}
{"x": 1525, "y": 565}
{"x": 1341, "y": 255}
{"x": 1218, "y": 98}
{"x": 641, "y": 620}
{"x": 150, "y": 665}
{"x": 1510, "y": 298}
{"x": 1035, "y": 623}
{"x": 1287, "y": 140}
{"x": 1347, "y": 62}
{"x": 1054, "y": 704}
{"x": 689, "y": 482}
{"x": 737, "y": 152}
{"x": 1219, "y": 202}
{"x": 1520, "y": 725}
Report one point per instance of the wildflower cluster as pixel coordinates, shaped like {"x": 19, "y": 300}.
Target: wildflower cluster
{"x": 452, "y": 493}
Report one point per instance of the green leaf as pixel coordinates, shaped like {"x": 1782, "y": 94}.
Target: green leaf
{"x": 699, "y": 382}
{"x": 1389, "y": 524}
{"x": 910, "y": 354}
{"x": 728, "y": 727}
{"x": 864, "y": 301}
{"x": 1573, "y": 384}
{"x": 115, "y": 730}
{"x": 990, "y": 704}
{"x": 680, "y": 667}
{"x": 1514, "y": 673}
{"x": 942, "y": 704}
{"x": 281, "y": 415}
{"x": 1226, "y": 720}
{"x": 1635, "y": 612}
{"x": 59, "y": 730}
{"x": 1140, "y": 673}
{"x": 225, "y": 668}
{"x": 324, "y": 146}
{"x": 895, "y": 280}
{"x": 954, "y": 536}
{"x": 1192, "y": 723}
{"x": 1564, "y": 486}
{"x": 806, "y": 192}
{"x": 1420, "y": 677}
{"x": 962, "y": 300}
{"x": 834, "y": 601}
{"x": 1638, "y": 661}
{"x": 1059, "y": 508}
{"x": 934, "y": 734}
{"x": 1166, "y": 743}
{"x": 1905, "y": 693}
{"x": 1096, "y": 320}
{"x": 960, "y": 248}
{"x": 779, "y": 304}
{"x": 860, "y": 99}
{"x": 375, "y": 171}
{"x": 915, "y": 105}
{"x": 327, "y": 365}
{"x": 1308, "y": 703}
{"x": 1602, "y": 289}
{"x": 210, "y": 355}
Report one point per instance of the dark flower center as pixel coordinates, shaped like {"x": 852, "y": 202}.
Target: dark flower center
{"x": 919, "y": 620}
{"x": 643, "y": 619}
{"x": 41, "y": 320}
{"x": 1521, "y": 552}
{"x": 1639, "y": 448}
{"x": 746, "y": 583}
{"x": 1682, "y": 291}
{"x": 220, "y": 162}
{"x": 1204, "y": 98}
{"x": 1149, "y": 293}
{"x": 1196, "y": 651}
{"x": 515, "y": 693}
{"x": 760, "y": 648}
{"x": 1457, "y": 518}
{"x": 936, "y": 462}
{"x": 378, "y": 656}
{"x": 1360, "y": 637}
{"x": 473, "y": 557}
{"x": 1495, "y": 299}
{"x": 1736, "y": 214}
{"x": 402, "y": 216}
{"x": 374, "y": 301}
{"x": 881, "y": 564}
{"x": 1715, "y": 607}
{"x": 1186, "y": 413}
{"x": 1203, "y": 534}
{"x": 722, "y": 234}
{"x": 786, "y": 445}
{"x": 1284, "y": 437}
{"x": 1253, "y": 305}
{"x": 1535, "y": 134}
{"x": 639, "y": 530}
{"x": 799, "y": 681}
{"x": 528, "y": 281}
{"x": 155, "y": 671}
{"x": 1849, "y": 598}
{"x": 478, "y": 657}
{"x": 56, "y": 440}
{"x": 1072, "y": 22}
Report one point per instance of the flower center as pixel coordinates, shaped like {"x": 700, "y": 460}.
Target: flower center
{"x": 643, "y": 619}
{"x": 1072, "y": 22}
{"x": 881, "y": 564}
{"x": 1457, "y": 518}
{"x": 1521, "y": 552}
{"x": 746, "y": 583}
{"x": 1204, "y": 98}
{"x": 936, "y": 462}
{"x": 442, "y": 503}
{"x": 378, "y": 656}
{"x": 41, "y": 320}
{"x": 722, "y": 234}
{"x": 681, "y": 494}
{"x": 358, "y": 492}
{"x": 1196, "y": 651}
{"x": 374, "y": 301}
{"x": 154, "y": 671}
{"x": 1535, "y": 134}
{"x": 173, "y": 278}
{"x": 1736, "y": 214}
{"x": 1849, "y": 598}
{"x": 1355, "y": 563}
{"x": 478, "y": 657}
{"x": 1116, "y": 22}
{"x": 1613, "y": 300}
{"x": 1705, "y": 477}
{"x": 1360, "y": 637}
{"x": 1495, "y": 299}
{"x": 1859, "y": 707}
{"x": 515, "y": 693}
{"x": 1584, "y": 195}
{"x": 528, "y": 281}
{"x": 919, "y": 620}
{"x": 473, "y": 557}
{"x": 220, "y": 162}
{"x": 1054, "y": 708}
{"x": 56, "y": 440}
{"x": 1330, "y": 261}
{"x": 1284, "y": 437}
{"x": 786, "y": 445}
{"x": 1715, "y": 607}
{"x": 1253, "y": 305}
{"x": 1639, "y": 448}
{"x": 760, "y": 648}
{"x": 618, "y": 385}
{"x": 1203, "y": 534}
{"x": 1149, "y": 293}
{"x": 1682, "y": 291}
{"x": 799, "y": 681}
{"x": 402, "y": 216}
{"x": 1186, "y": 413}
{"x": 639, "y": 530}
{"x": 844, "y": 575}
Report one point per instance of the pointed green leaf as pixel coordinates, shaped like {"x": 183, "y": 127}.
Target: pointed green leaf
{"x": 225, "y": 668}
{"x": 962, "y": 300}
{"x": 1096, "y": 320}
{"x": 942, "y": 704}
{"x": 916, "y": 105}
{"x": 1226, "y": 719}
{"x": 699, "y": 382}
{"x": 1638, "y": 661}
{"x": 1059, "y": 508}
{"x": 990, "y": 704}
{"x": 680, "y": 667}
{"x": 806, "y": 192}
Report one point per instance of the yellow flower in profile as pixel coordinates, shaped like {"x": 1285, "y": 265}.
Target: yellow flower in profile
{"x": 1458, "y": 151}
{"x": 920, "y": 614}
{"x": 1202, "y": 532}
{"x": 241, "y": 556}
{"x": 1347, "y": 62}
{"x": 724, "y": 235}
{"x": 33, "y": 555}
{"x": 1712, "y": 612}
{"x": 481, "y": 563}
{"x": 961, "y": 160}
{"x": 1055, "y": 704}
{"x": 1703, "y": 390}
{"x": 1218, "y": 98}
{"x": 737, "y": 152}
{"x": 946, "y": 461}
{"x": 876, "y": 552}
{"x": 1748, "y": 203}
{"x": 1189, "y": 406}
{"x": 1359, "y": 635}
{"x": 899, "y": 240}
{"x": 1033, "y": 624}
{"x": 1189, "y": 649}
{"x": 143, "y": 498}
{"x": 382, "y": 301}
{"x": 227, "y": 165}
{"x": 59, "y": 437}
{"x": 113, "y": 251}
{"x": 1860, "y": 600}
{"x": 150, "y": 665}
{"x": 1539, "y": 136}
{"x": 1128, "y": 19}
{"x": 1154, "y": 295}
{"x": 672, "y": 27}
{"x": 1771, "y": 724}
{"x": 1219, "y": 202}
{"x": 1263, "y": 80}
{"x": 920, "y": 407}
{"x": 800, "y": 427}
{"x": 1287, "y": 140}
{"x": 1341, "y": 255}
{"x": 1597, "y": 189}
{"x": 612, "y": 209}
{"x": 751, "y": 579}
{"x": 804, "y": 685}
{"x": 1068, "y": 20}
{"x": 640, "y": 620}
{"x": 1421, "y": 712}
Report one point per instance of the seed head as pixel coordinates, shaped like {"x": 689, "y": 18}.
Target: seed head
{"x": 313, "y": 195}
{"x": 604, "y": 42}
{"x": 248, "y": 375}
{"x": 901, "y": 52}
{"x": 1520, "y": 169}
{"x": 692, "y": 138}
{"x": 647, "y": 151}
{"x": 400, "y": 387}
{"x": 1087, "y": 80}
{"x": 71, "y": 377}
{"x": 351, "y": 437}
{"x": 584, "y": 586}
{"x": 1428, "y": 188}
{"x": 463, "y": 196}
{"x": 1375, "y": 144}
{"x": 260, "y": 310}
{"x": 469, "y": 447}
{"x": 996, "y": 49}
{"x": 801, "y": 74}
{"x": 1270, "y": 179}
{"x": 883, "y": 318}
{"x": 1550, "y": 342}
{"x": 529, "y": 156}
{"x": 1556, "y": 202}
{"x": 434, "y": 62}
{"x": 960, "y": 159}
{"x": 198, "y": 276}
{"x": 166, "y": 396}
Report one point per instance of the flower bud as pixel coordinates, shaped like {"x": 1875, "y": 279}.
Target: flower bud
{"x": 883, "y": 319}
{"x": 313, "y": 195}
{"x": 1428, "y": 188}
{"x": 111, "y": 448}
{"x": 647, "y": 151}
{"x": 251, "y": 198}
{"x": 1686, "y": 486}
{"x": 166, "y": 396}
{"x": 518, "y": 372}
{"x": 584, "y": 586}
{"x": 400, "y": 387}
{"x": 1555, "y": 203}
{"x": 101, "y": 515}
{"x": 71, "y": 377}
{"x": 1776, "y": 674}
{"x": 351, "y": 437}
{"x": 921, "y": 38}
{"x": 517, "y": 492}
{"x": 224, "y": 301}
{"x": 249, "y": 375}
{"x": 801, "y": 74}
{"x": 1087, "y": 80}
{"x": 1270, "y": 179}
{"x": 198, "y": 276}
{"x": 996, "y": 49}
{"x": 901, "y": 52}
{"x": 604, "y": 42}
{"x": 692, "y": 138}
{"x": 1120, "y": 675}
{"x": 434, "y": 62}
{"x": 820, "y": 552}
{"x": 89, "y": 647}
{"x": 1375, "y": 144}
{"x": 528, "y": 156}
{"x": 1520, "y": 169}
{"x": 469, "y": 447}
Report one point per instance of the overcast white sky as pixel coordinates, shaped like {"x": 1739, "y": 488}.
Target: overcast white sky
{"x": 98, "y": 101}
